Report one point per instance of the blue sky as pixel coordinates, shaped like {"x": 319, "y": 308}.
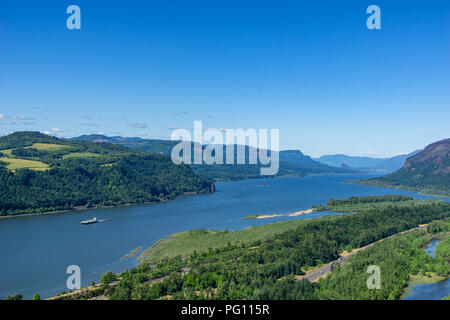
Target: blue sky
{"x": 309, "y": 68}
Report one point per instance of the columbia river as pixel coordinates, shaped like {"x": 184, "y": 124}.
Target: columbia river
{"x": 36, "y": 250}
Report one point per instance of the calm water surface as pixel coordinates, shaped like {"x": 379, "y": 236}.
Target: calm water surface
{"x": 36, "y": 250}
{"x": 431, "y": 248}
{"x": 429, "y": 291}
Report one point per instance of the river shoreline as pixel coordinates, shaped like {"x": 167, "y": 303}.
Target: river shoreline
{"x": 389, "y": 186}
{"x": 137, "y": 225}
{"x": 85, "y": 208}
{"x": 417, "y": 280}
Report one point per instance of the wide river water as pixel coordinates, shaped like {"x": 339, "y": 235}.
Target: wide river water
{"x": 35, "y": 251}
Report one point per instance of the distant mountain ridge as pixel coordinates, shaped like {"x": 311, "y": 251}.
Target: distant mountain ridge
{"x": 292, "y": 162}
{"x": 366, "y": 163}
{"x": 298, "y": 158}
{"x": 427, "y": 171}
{"x": 147, "y": 145}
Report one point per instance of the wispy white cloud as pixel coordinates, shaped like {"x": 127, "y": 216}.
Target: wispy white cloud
{"x": 55, "y": 132}
{"x": 139, "y": 125}
{"x": 88, "y": 124}
{"x": 21, "y": 118}
{"x": 9, "y": 117}
{"x": 369, "y": 153}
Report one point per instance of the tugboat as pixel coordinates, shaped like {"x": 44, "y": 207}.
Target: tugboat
{"x": 90, "y": 221}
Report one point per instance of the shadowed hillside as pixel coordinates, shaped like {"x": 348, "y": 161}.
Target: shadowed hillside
{"x": 426, "y": 172}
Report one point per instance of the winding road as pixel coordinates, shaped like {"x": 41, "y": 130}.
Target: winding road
{"x": 315, "y": 274}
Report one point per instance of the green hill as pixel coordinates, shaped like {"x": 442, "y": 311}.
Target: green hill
{"x": 39, "y": 173}
{"x": 291, "y": 162}
{"x": 428, "y": 171}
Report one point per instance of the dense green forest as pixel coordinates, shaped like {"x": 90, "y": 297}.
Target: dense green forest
{"x": 357, "y": 204}
{"x": 443, "y": 248}
{"x": 398, "y": 258}
{"x": 264, "y": 269}
{"x": 185, "y": 243}
{"x": 369, "y": 199}
{"x": 39, "y": 173}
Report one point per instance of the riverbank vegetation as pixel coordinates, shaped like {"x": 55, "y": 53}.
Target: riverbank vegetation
{"x": 186, "y": 243}
{"x": 39, "y": 173}
{"x": 264, "y": 268}
{"x": 443, "y": 249}
{"x": 439, "y": 191}
{"x": 359, "y": 204}
{"x": 356, "y": 204}
{"x": 400, "y": 259}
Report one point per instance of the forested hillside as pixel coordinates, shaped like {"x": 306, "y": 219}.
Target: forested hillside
{"x": 291, "y": 162}
{"x": 39, "y": 173}
{"x": 428, "y": 171}
{"x": 399, "y": 259}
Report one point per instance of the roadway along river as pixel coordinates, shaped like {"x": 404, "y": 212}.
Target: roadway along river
{"x": 36, "y": 250}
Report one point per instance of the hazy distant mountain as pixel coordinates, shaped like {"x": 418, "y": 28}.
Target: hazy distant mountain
{"x": 292, "y": 162}
{"x": 103, "y": 138}
{"x": 296, "y": 157}
{"x": 428, "y": 171}
{"x": 146, "y": 145}
{"x": 366, "y": 163}
{"x": 338, "y": 160}
{"x": 394, "y": 163}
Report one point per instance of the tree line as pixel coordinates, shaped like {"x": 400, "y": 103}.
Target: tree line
{"x": 265, "y": 269}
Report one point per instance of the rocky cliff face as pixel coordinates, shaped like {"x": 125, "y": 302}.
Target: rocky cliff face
{"x": 428, "y": 171}
{"x": 434, "y": 157}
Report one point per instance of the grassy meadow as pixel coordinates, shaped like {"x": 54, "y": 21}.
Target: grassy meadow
{"x": 185, "y": 243}
{"x": 16, "y": 163}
